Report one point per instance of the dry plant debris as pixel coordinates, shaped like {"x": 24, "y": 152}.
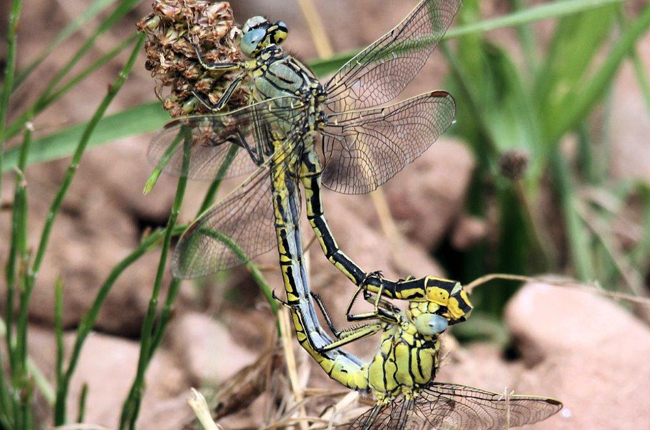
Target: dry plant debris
{"x": 172, "y": 29}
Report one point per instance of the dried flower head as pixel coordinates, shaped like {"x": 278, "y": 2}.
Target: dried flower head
{"x": 172, "y": 28}
{"x": 513, "y": 164}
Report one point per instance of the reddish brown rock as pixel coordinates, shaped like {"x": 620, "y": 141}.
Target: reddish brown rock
{"x": 209, "y": 353}
{"x": 108, "y": 365}
{"x": 469, "y": 231}
{"x": 588, "y": 352}
{"x": 630, "y": 123}
{"x": 428, "y": 195}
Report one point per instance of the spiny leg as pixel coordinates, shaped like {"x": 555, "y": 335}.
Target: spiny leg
{"x": 345, "y": 336}
{"x": 326, "y": 315}
{"x": 224, "y": 67}
{"x": 224, "y": 98}
{"x": 352, "y": 335}
{"x": 383, "y": 310}
{"x": 213, "y": 66}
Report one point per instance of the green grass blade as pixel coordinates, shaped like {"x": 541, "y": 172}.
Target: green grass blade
{"x": 81, "y": 76}
{"x": 539, "y": 13}
{"x": 58, "y": 330}
{"x": 67, "y": 181}
{"x": 576, "y": 42}
{"x": 578, "y": 107}
{"x": 578, "y": 237}
{"x": 124, "y": 7}
{"x": 140, "y": 119}
{"x": 97, "y": 7}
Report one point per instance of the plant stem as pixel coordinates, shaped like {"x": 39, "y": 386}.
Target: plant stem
{"x": 65, "y": 186}
{"x": 174, "y": 286}
{"x": 10, "y": 69}
{"x": 131, "y": 407}
{"x": 82, "y": 403}
{"x": 88, "y": 321}
{"x": 165, "y": 315}
{"x": 58, "y": 330}
{"x": 92, "y": 11}
{"x": 18, "y": 241}
{"x": 76, "y": 158}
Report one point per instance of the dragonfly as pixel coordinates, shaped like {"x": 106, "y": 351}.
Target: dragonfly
{"x": 297, "y": 131}
{"x": 401, "y": 375}
{"x": 363, "y": 144}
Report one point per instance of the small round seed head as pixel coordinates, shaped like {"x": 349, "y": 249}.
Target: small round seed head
{"x": 513, "y": 164}
{"x": 173, "y": 29}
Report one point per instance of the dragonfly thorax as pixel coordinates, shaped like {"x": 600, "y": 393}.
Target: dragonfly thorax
{"x": 406, "y": 361}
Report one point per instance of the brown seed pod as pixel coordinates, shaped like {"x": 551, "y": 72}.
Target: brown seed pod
{"x": 513, "y": 164}
{"x": 172, "y": 29}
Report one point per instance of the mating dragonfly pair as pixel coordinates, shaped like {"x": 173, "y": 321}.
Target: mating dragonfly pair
{"x": 340, "y": 135}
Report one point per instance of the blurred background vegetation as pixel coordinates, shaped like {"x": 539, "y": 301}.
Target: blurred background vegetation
{"x": 538, "y": 108}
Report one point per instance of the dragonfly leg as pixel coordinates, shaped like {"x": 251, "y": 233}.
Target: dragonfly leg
{"x": 242, "y": 142}
{"x": 326, "y": 315}
{"x": 383, "y": 310}
{"x": 224, "y": 98}
{"x": 352, "y": 335}
{"x": 279, "y": 300}
{"x": 213, "y": 66}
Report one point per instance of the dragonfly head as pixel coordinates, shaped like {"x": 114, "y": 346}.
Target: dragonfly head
{"x": 259, "y": 33}
{"x": 427, "y": 317}
{"x": 451, "y": 297}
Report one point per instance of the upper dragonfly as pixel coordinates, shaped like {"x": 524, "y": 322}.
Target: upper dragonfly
{"x": 338, "y": 133}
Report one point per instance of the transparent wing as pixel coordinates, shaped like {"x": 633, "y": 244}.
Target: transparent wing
{"x": 399, "y": 414}
{"x": 458, "y": 407}
{"x": 364, "y": 149}
{"x": 238, "y": 228}
{"x": 213, "y": 137}
{"x": 381, "y": 71}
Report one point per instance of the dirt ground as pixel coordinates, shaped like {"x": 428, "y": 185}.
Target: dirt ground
{"x": 578, "y": 347}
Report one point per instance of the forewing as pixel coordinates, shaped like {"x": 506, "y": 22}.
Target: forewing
{"x": 381, "y": 71}
{"x": 458, "y": 407}
{"x": 213, "y": 137}
{"x": 364, "y": 149}
{"x": 238, "y": 228}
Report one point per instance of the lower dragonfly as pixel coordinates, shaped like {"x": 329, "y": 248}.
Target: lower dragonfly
{"x": 401, "y": 374}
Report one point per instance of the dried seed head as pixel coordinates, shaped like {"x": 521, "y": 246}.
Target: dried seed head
{"x": 513, "y": 164}
{"x": 172, "y": 29}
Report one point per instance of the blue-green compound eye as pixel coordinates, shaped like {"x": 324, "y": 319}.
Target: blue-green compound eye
{"x": 256, "y": 21}
{"x": 431, "y": 324}
{"x": 251, "y": 40}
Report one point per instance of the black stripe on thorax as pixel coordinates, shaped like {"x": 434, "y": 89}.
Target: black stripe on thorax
{"x": 288, "y": 90}
{"x": 300, "y": 83}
